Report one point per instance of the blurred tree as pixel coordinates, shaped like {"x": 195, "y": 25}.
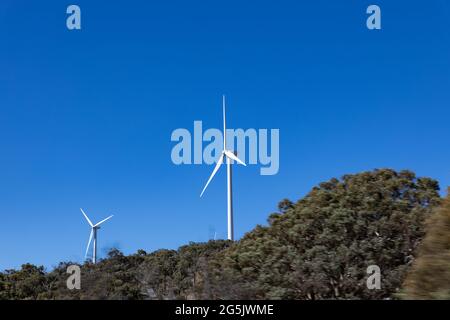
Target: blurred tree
{"x": 430, "y": 275}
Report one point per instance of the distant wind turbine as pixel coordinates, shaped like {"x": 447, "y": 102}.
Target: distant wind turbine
{"x": 228, "y": 155}
{"x": 94, "y": 228}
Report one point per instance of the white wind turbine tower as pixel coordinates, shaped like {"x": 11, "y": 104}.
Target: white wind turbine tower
{"x": 94, "y": 228}
{"x": 228, "y": 155}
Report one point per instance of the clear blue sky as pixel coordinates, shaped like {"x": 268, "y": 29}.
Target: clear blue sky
{"x": 86, "y": 116}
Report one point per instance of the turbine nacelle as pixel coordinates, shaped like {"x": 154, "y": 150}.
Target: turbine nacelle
{"x": 227, "y": 154}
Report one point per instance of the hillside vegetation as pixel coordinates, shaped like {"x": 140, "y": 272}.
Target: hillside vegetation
{"x": 316, "y": 248}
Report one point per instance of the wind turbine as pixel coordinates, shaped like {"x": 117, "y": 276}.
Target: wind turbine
{"x": 94, "y": 228}
{"x": 228, "y": 155}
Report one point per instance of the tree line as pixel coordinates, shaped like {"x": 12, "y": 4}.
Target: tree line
{"x": 318, "y": 247}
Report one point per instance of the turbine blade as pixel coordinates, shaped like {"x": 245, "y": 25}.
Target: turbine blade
{"x": 103, "y": 221}
{"x": 89, "y": 221}
{"x": 232, "y": 156}
{"x": 224, "y": 125}
{"x": 219, "y": 162}
{"x": 89, "y": 243}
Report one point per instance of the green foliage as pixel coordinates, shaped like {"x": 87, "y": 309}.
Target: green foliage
{"x": 320, "y": 247}
{"x": 316, "y": 248}
{"x": 28, "y": 283}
